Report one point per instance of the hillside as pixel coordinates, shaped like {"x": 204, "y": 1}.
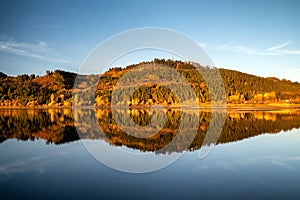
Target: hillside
{"x": 55, "y": 88}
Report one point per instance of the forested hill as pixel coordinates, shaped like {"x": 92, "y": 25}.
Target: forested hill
{"x": 55, "y": 88}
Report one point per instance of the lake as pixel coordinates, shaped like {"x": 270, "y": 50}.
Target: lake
{"x": 53, "y": 153}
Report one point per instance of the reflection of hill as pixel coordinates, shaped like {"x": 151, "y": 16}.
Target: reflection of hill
{"x": 54, "y": 126}
{"x": 57, "y": 126}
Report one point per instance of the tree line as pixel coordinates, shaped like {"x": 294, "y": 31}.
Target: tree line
{"x": 56, "y": 88}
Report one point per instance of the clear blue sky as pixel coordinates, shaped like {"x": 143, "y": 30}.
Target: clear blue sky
{"x": 258, "y": 37}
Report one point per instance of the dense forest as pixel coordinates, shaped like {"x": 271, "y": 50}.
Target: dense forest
{"x": 56, "y": 88}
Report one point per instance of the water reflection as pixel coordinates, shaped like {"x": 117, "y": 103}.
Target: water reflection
{"x": 57, "y": 126}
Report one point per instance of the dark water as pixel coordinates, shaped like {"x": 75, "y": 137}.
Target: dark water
{"x": 42, "y": 156}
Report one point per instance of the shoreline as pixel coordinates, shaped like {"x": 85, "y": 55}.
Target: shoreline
{"x": 206, "y": 107}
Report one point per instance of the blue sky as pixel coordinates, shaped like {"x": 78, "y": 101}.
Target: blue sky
{"x": 257, "y": 37}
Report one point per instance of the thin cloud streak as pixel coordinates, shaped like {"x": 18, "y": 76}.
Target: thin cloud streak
{"x": 33, "y": 50}
{"x": 279, "y": 46}
{"x": 276, "y": 50}
{"x": 225, "y": 46}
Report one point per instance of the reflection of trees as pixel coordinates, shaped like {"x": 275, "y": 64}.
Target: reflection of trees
{"x": 255, "y": 123}
{"x": 53, "y": 125}
{"x": 57, "y": 126}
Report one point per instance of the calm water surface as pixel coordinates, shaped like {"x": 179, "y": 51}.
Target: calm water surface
{"x": 42, "y": 157}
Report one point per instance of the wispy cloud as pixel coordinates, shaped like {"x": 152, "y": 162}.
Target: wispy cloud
{"x": 38, "y": 50}
{"x": 279, "y": 46}
{"x": 279, "y": 49}
{"x": 224, "y": 46}
{"x": 290, "y": 52}
{"x": 276, "y": 50}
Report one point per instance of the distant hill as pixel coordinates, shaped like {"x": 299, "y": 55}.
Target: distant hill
{"x": 55, "y": 88}
{"x": 2, "y": 75}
